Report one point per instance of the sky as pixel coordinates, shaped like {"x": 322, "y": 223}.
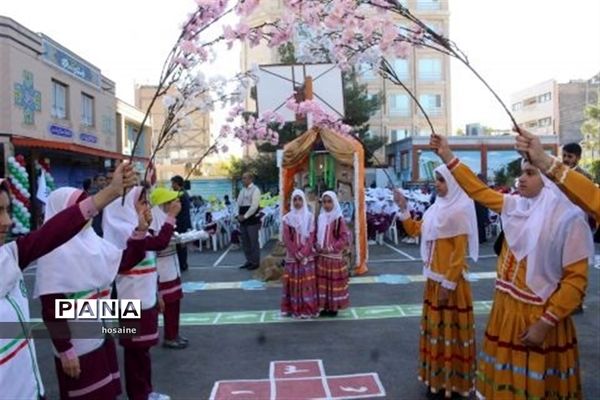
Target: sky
{"x": 512, "y": 43}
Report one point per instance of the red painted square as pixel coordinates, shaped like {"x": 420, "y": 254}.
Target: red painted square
{"x": 296, "y": 369}
{"x": 354, "y": 386}
{"x": 296, "y": 389}
{"x": 242, "y": 390}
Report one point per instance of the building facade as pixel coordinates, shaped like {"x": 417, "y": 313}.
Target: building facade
{"x": 56, "y": 110}
{"x": 552, "y": 108}
{"x": 425, "y": 72}
{"x": 413, "y": 160}
{"x": 186, "y": 147}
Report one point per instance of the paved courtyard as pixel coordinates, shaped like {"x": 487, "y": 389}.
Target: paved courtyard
{"x": 241, "y": 349}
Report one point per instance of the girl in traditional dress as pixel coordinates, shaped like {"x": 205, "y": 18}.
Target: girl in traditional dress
{"x": 299, "y": 298}
{"x": 447, "y": 343}
{"x": 83, "y": 268}
{"x": 19, "y": 373}
{"x": 332, "y": 271}
{"x": 530, "y": 344}
{"x": 141, "y": 282}
{"x": 166, "y": 202}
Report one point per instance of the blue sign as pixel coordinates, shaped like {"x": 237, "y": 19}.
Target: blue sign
{"x": 86, "y": 137}
{"x": 61, "y": 58}
{"x": 60, "y": 131}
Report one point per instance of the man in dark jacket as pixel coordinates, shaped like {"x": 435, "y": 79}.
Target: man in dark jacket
{"x": 184, "y": 220}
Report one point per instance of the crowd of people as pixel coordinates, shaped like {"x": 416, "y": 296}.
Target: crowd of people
{"x": 529, "y": 347}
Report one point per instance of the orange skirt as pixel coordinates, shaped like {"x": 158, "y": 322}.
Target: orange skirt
{"x": 447, "y": 344}
{"x": 509, "y": 370}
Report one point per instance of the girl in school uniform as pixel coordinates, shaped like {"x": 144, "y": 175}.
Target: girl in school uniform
{"x": 19, "y": 372}
{"x": 140, "y": 282}
{"x": 83, "y": 268}
{"x": 332, "y": 271}
{"x": 299, "y": 299}
{"x": 165, "y": 201}
{"x": 530, "y": 343}
{"x": 447, "y": 342}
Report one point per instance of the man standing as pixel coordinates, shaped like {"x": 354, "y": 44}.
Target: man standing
{"x": 571, "y": 155}
{"x": 184, "y": 220}
{"x": 248, "y": 207}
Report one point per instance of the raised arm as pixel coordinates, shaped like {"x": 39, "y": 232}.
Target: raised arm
{"x": 67, "y": 223}
{"x": 467, "y": 180}
{"x": 580, "y": 189}
{"x": 161, "y": 241}
{"x": 411, "y": 227}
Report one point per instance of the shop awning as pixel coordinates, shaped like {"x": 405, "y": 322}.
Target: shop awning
{"x": 71, "y": 147}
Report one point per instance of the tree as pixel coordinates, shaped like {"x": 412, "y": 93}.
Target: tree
{"x": 263, "y": 167}
{"x": 506, "y": 175}
{"x": 591, "y": 128}
{"x": 359, "y": 107}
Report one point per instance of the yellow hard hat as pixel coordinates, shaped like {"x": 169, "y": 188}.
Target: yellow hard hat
{"x": 162, "y": 195}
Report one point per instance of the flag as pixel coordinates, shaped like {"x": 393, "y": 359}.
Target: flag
{"x": 43, "y": 190}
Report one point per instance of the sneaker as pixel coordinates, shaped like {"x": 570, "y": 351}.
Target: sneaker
{"x": 158, "y": 396}
{"x": 174, "y": 344}
{"x": 182, "y": 339}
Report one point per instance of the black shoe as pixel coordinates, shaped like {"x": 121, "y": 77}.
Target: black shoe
{"x": 182, "y": 339}
{"x": 245, "y": 266}
{"x": 184, "y": 267}
{"x": 252, "y": 267}
{"x": 333, "y": 314}
{"x": 174, "y": 344}
{"x": 578, "y": 310}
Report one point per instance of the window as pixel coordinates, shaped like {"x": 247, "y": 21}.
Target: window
{"x": 59, "y": 99}
{"x": 401, "y": 69}
{"x": 517, "y": 106}
{"x": 545, "y": 97}
{"x": 404, "y": 161}
{"x": 531, "y": 124}
{"x": 530, "y": 101}
{"x": 399, "y": 134}
{"x": 432, "y": 103}
{"x": 131, "y": 135}
{"x": 87, "y": 110}
{"x": 425, "y": 5}
{"x": 545, "y": 122}
{"x": 400, "y": 105}
{"x": 430, "y": 69}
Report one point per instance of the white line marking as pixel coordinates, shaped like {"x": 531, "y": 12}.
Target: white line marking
{"x": 400, "y": 252}
{"x": 324, "y": 380}
{"x": 222, "y": 257}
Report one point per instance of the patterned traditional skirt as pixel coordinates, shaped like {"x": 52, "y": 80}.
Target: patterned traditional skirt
{"x": 170, "y": 291}
{"x": 332, "y": 283}
{"x": 447, "y": 344}
{"x": 99, "y": 377}
{"x": 509, "y": 370}
{"x": 147, "y": 330}
{"x": 299, "y": 298}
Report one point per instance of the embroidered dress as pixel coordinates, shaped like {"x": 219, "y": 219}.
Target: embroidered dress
{"x": 507, "y": 369}
{"x": 299, "y": 297}
{"x": 332, "y": 271}
{"x": 447, "y": 334}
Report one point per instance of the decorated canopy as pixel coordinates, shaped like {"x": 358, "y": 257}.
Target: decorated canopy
{"x": 347, "y": 151}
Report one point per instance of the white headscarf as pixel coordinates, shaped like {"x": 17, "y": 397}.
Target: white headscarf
{"x": 301, "y": 220}
{"x": 550, "y": 231}
{"x": 119, "y": 221}
{"x": 85, "y": 262}
{"x": 327, "y": 217}
{"x": 450, "y": 216}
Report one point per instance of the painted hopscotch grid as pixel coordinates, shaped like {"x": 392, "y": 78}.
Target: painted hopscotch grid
{"x": 350, "y": 314}
{"x": 298, "y": 380}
